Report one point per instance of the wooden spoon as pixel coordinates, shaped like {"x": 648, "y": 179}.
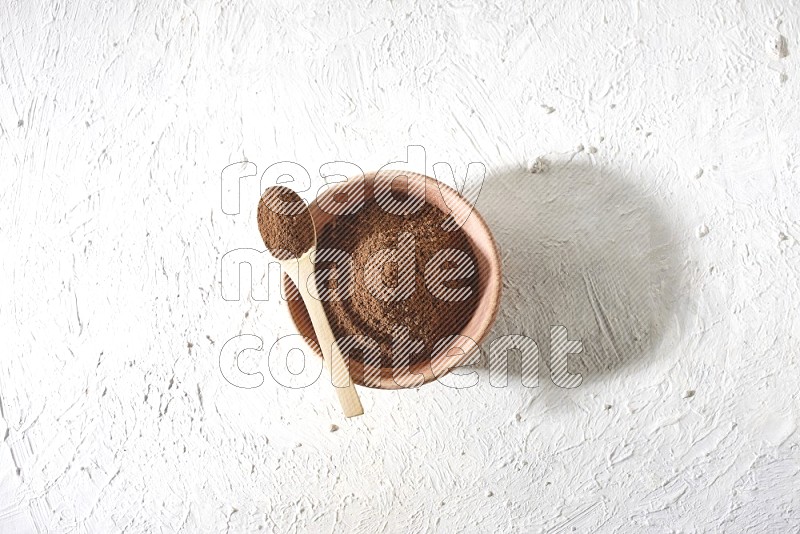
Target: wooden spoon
{"x": 288, "y": 233}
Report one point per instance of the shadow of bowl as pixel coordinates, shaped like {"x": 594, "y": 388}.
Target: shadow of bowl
{"x": 585, "y": 248}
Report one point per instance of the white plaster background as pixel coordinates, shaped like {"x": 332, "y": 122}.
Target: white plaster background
{"x": 116, "y": 120}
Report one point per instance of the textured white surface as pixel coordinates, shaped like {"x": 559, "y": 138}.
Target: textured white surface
{"x": 667, "y": 240}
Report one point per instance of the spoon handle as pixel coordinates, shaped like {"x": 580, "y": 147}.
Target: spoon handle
{"x": 335, "y": 362}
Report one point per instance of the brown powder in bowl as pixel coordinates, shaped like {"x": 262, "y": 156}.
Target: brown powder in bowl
{"x": 389, "y": 298}
{"x": 285, "y": 223}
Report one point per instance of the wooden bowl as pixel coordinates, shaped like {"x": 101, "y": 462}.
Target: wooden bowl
{"x": 488, "y": 268}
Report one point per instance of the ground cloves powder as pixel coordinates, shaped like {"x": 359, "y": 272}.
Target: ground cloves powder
{"x": 377, "y": 242}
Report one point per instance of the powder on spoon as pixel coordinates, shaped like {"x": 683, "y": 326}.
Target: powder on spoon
{"x": 424, "y": 317}
{"x": 285, "y": 223}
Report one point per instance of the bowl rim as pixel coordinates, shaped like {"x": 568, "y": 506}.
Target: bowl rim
{"x": 429, "y": 368}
